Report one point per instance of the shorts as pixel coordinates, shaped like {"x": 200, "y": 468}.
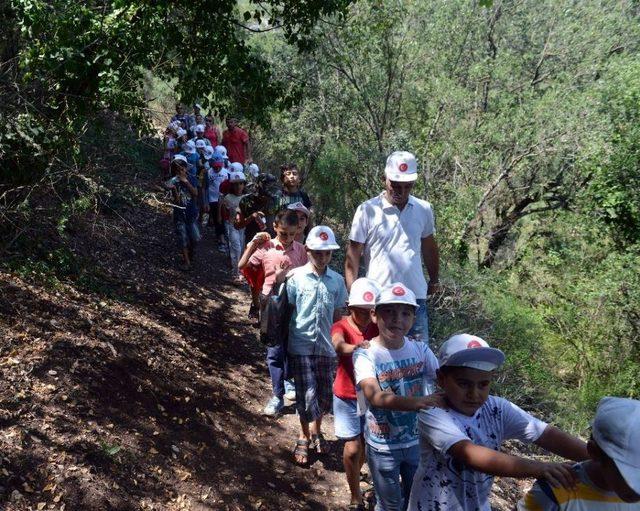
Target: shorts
{"x": 313, "y": 378}
{"x": 187, "y": 233}
{"x": 347, "y": 423}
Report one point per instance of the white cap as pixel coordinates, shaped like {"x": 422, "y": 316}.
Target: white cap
{"x": 199, "y": 128}
{"x": 181, "y": 132}
{"x": 616, "y": 430}
{"x": 208, "y": 152}
{"x": 237, "y": 167}
{"x": 464, "y": 350}
{"x": 189, "y": 147}
{"x": 298, "y": 206}
{"x": 401, "y": 166}
{"x": 363, "y": 293}
{"x": 197, "y": 105}
{"x": 180, "y": 157}
{"x": 254, "y": 170}
{"x": 174, "y": 126}
{"x": 200, "y": 143}
{"x": 237, "y": 177}
{"x": 396, "y": 293}
{"x": 321, "y": 237}
{"x": 222, "y": 150}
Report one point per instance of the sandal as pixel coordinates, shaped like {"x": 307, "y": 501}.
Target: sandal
{"x": 319, "y": 444}
{"x": 301, "y": 452}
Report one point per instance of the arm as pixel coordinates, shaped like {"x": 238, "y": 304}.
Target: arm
{"x": 247, "y": 151}
{"x": 497, "y": 463}
{"x": 192, "y": 189}
{"x": 385, "y": 399}
{"x": 558, "y": 442}
{"x": 344, "y": 348}
{"x": 352, "y": 262}
{"x": 431, "y": 257}
{"x": 244, "y": 260}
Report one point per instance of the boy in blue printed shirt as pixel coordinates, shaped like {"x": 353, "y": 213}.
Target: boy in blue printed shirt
{"x": 317, "y": 294}
{"x": 184, "y": 190}
{"x": 396, "y": 376}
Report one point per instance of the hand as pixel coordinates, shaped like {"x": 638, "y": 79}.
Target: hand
{"x": 363, "y": 344}
{"x": 258, "y": 216}
{"x": 281, "y": 271}
{"x": 437, "y": 400}
{"x": 260, "y": 239}
{"x": 558, "y": 474}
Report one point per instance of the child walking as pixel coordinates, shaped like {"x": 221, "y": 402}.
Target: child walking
{"x": 460, "y": 445}
{"x": 396, "y": 376}
{"x": 610, "y": 479}
{"x": 318, "y": 294}
{"x": 275, "y": 257}
{"x": 228, "y": 208}
{"x": 347, "y": 335}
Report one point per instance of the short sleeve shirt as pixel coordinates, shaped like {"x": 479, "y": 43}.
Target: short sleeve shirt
{"x": 284, "y": 198}
{"x": 234, "y": 142}
{"x": 392, "y": 240}
{"x": 185, "y": 207}
{"x": 215, "y": 180}
{"x": 443, "y": 482}
{"x": 344, "y": 385}
{"x": 272, "y": 255}
{"x": 230, "y": 203}
{"x": 403, "y": 372}
{"x": 315, "y": 298}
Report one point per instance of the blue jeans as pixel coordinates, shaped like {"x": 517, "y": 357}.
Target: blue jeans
{"x": 277, "y": 369}
{"x": 420, "y": 328}
{"x": 392, "y": 473}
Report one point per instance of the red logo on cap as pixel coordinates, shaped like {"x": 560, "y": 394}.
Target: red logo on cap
{"x": 323, "y": 236}
{"x": 398, "y": 291}
{"x": 474, "y": 344}
{"x": 403, "y": 167}
{"x": 368, "y": 296}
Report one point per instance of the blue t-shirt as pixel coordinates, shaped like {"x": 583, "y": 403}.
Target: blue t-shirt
{"x": 185, "y": 208}
{"x": 315, "y": 299}
{"x": 404, "y": 372}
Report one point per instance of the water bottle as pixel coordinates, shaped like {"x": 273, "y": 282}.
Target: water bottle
{"x": 428, "y": 386}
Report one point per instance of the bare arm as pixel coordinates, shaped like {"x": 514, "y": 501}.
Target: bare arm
{"x": 558, "y": 442}
{"x": 497, "y": 463}
{"x": 352, "y": 262}
{"x": 431, "y": 257}
{"x": 248, "y": 252}
{"x": 390, "y": 401}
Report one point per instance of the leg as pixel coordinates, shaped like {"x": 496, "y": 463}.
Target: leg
{"x": 324, "y": 370}
{"x": 348, "y": 427}
{"x": 385, "y": 472}
{"x": 420, "y": 329}
{"x": 408, "y": 467}
{"x": 275, "y": 362}
{"x": 305, "y": 390}
{"x": 352, "y": 457}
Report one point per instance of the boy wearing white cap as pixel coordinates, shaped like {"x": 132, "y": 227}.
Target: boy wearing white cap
{"x": 303, "y": 219}
{"x": 393, "y": 375}
{"x": 347, "y": 335}
{"x": 392, "y": 231}
{"x": 318, "y": 295}
{"x": 229, "y": 206}
{"x": 610, "y": 479}
{"x": 460, "y": 445}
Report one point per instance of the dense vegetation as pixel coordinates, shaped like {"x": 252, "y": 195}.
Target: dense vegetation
{"x": 525, "y": 117}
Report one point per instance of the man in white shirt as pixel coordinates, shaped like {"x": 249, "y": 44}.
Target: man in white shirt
{"x": 395, "y": 232}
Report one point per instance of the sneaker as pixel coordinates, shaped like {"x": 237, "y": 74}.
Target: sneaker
{"x": 274, "y": 406}
{"x": 289, "y": 391}
{"x": 222, "y": 247}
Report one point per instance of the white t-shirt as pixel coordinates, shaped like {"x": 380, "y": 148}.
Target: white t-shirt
{"x": 403, "y": 372}
{"x": 215, "y": 180}
{"x": 392, "y": 238}
{"x": 441, "y": 482}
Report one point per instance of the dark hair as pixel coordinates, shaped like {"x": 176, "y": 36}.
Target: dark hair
{"x": 286, "y": 218}
{"x": 285, "y": 167}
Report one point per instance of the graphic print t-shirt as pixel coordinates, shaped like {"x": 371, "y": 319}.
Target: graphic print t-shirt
{"x": 402, "y": 372}
{"x": 441, "y": 482}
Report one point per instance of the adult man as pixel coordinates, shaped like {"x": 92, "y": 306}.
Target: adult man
{"x": 392, "y": 230}
{"x": 236, "y": 141}
{"x": 181, "y": 117}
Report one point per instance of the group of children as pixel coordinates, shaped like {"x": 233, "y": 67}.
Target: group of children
{"x": 426, "y": 425}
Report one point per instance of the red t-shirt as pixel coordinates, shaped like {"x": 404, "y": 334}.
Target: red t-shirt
{"x": 234, "y": 142}
{"x": 344, "y": 386}
{"x": 211, "y": 135}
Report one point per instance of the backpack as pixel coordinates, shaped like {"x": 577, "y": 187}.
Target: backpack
{"x": 275, "y": 317}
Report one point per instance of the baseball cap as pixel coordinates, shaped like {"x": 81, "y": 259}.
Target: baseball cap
{"x": 197, "y": 105}
{"x": 363, "y": 293}
{"x": 200, "y": 128}
{"x": 321, "y": 237}
{"x": 401, "y": 166}
{"x": 396, "y": 292}
{"x": 179, "y": 159}
{"x": 254, "y": 170}
{"x": 615, "y": 430}
{"x": 181, "y": 132}
{"x": 208, "y": 152}
{"x": 298, "y": 206}
{"x": 237, "y": 167}
{"x": 200, "y": 144}
{"x": 464, "y": 350}
{"x": 237, "y": 177}
{"x": 189, "y": 147}
{"x": 222, "y": 150}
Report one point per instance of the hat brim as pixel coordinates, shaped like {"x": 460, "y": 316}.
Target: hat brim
{"x": 629, "y": 473}
{"x": 324, "y": 247}
{"x": 367, "y": 305}
{"x": 400, "y": 301}
{"x": 399, "y": 177}
{"x": 465, "y": 357}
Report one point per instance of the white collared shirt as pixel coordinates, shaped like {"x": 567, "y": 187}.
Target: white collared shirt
{"x": 393, "y": 240}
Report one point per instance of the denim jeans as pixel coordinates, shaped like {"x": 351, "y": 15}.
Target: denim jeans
{"x": 392, "y": 473}
{"x": 420, "y": 328}
{"x": 276, "y": 364}
{"x": 236, "y": 245}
